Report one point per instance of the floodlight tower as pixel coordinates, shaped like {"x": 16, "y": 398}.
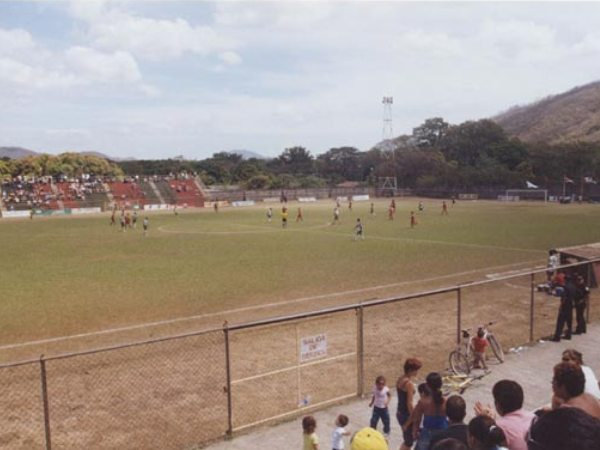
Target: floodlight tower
{"x": 388, "y": 131}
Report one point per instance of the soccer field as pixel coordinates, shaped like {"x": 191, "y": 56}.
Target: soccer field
{"x": 79, "y": 275}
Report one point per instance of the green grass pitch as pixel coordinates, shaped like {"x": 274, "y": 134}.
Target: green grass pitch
{"x": 63, "y": 276}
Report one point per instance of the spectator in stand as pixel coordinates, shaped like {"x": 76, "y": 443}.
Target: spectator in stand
{"x": 557, "y": 284}
{"x": 432, "y": 410}
{"x": 456, "y": 410}
{"x": 591, "y": 382}
{"x": 513, "y": 419}
{"x": 568, "y": 387}
{"x": 553, "y": 263}
{"x": 564, "y": 429}
{"x": 405, "y": 389}
{"x": 310, "y": 439}
{"x": 450, "y": 444}
{"x": 368, "y": 439}
{"x": 478, "y": 345}
{"x": 581, "y": 299}
{"x": 379, "y": 401}
{"x": 565, "y": 311}
{"x": 484, "y": 434}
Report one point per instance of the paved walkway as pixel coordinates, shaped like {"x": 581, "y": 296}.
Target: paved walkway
{"x": 531, "y": 367}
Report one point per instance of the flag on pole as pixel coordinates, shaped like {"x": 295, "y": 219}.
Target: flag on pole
{"x": 567, "y": 179}
{"x": 590, "y": 180}
{"x": 530, "y": 185}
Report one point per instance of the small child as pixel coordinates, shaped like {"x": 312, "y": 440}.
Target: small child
{"x": 358, "y": 230}
{"x": 145, "y": 225}
{"x": 479, "y": 344}
{"x": 337, "y": 438}
{"x": 379, "y": 401}
{"x": 269, "y": 215}
{"x": 310, "y": 438}
{"x": 372, "y": 210}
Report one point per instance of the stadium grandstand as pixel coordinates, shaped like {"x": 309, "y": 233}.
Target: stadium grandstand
{"x": 54, "y": 194}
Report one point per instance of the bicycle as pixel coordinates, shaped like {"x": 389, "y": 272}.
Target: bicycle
{"x": 462, "y": 359}
{"x": 458, "y": 383}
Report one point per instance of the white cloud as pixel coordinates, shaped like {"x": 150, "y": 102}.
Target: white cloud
{"x": 429, "y": 44}
{"x": 14, "y": 42}
{"x": 231, "y": 58}
{"x": 16, "y": 73}
{"x": 589, "y": 44}
{"x": 281, "y": 14}
{"x": 114, "y": 29}
{"x": 523, "y": 41}
{"x": 93, "y": 66}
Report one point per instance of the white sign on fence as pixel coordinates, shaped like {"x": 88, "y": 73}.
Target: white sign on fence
{"x": 313, "y": 347}
{"x": 243, "y": 203}
{"x": 85, "y": 210}
{"x": 360, "y": 198}
{"x": 307, "y": 199}
{"x": 15, "y": 214}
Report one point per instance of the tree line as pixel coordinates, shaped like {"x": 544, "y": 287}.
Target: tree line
{"x": 67, "y": 165}
{"x": 435, "y": 155}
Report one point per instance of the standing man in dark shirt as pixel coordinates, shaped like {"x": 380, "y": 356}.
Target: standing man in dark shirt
{"x": 565, "y": 311}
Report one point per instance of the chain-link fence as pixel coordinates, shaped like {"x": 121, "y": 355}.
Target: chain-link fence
{"x": 185, "y": 391}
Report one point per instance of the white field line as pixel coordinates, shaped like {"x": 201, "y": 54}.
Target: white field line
{"x": 258, "y": 229}
{"x": 319, "y": 228}
{"x": 252, "y": 308}
{"x": 456, "y": 244}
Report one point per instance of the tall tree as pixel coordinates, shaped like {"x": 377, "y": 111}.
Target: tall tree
{"x": 295, "y": 161}
{"x": 342, "y": 163}
{"x": 431, "y": 132}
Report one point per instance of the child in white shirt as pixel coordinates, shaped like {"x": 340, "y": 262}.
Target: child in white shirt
{"x": 337, "y": 438}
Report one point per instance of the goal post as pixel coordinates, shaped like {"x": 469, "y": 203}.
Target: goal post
{"x": 528, "y": 194}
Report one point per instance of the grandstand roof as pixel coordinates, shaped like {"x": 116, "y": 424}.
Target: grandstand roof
{"x": 582, "y": 252}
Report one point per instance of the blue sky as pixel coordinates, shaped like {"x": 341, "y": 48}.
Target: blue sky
{"x": 160, "y": 79}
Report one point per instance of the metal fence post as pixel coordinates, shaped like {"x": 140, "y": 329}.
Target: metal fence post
{"x": 229, "y": 432}
{"x": 589, "y": 284}
{"x": 531, "y": 307}
{"x": 45, "y": 402}
{"x": 360, "y": 349}
{"x": 458, "y": 314}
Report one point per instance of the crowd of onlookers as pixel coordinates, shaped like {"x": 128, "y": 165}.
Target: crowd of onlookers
{"x": 43, "y": 192}
{"x": 570, "y": 421}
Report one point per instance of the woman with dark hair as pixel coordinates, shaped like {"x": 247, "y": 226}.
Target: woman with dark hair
{"x": 405, "y": 389}
{"x": 483, "y": 434}
{"x": 432, "y": 410}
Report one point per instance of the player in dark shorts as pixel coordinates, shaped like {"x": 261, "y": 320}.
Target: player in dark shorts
{"x": 145, "y": 225}
{"x": 359, "y": 230}
{"x": 284, "y": 217}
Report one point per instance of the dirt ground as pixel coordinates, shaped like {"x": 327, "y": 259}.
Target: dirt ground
{"x": 172, "y": 394}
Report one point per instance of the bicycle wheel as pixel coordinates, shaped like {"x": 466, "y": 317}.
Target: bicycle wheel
{"x": 496, "y": 348}
{"x": 459, "y": 363}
